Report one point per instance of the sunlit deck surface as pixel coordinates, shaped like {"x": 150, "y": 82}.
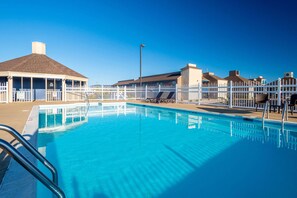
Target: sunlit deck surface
{"x": 16, "y": 115}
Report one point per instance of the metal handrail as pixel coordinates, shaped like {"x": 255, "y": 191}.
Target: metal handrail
{"x": 266, "y": 110}
{"x": 88, "y": 103}
{"x": 285, "y": 112}
{"x": 32, "y": 150}
{"x": 87, "y": 98}
{"x": 17, "y": 156}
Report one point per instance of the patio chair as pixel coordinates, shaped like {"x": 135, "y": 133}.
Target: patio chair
{"x": 260, "y": 99}
{"x": 169, "y": 98}
{"x": 293, "y": 102}
{"x": 156, "y": 99}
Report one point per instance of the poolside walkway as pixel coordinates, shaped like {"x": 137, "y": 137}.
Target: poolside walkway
{"x": 16, "y": 115}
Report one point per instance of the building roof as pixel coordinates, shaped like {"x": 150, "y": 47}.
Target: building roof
{"x": 125, "y": 82}
{"x": 284, "y": 81}
{"x": 37, "y": 63}
{"x": 211, "y": 77}
{"x": 237, "y": 79}
{"x": 154, "y": 78}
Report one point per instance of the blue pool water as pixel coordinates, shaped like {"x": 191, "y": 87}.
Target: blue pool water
{"x": 136, "y": 151}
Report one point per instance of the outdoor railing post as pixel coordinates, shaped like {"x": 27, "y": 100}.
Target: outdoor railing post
{"x": 102, "y": 95}
{"x": 118, "y": 92}
{"x": 176, "y": 93}
{"x": 159, "y": 88}
{"x": 125, "y": 92}
{"x": 145, "y": 96}
{"x": 64, "y": 90}
{"x": 199, "y": 93}
{"x": 230, "y": 95}
{"x": 279, "y": 91}
{"x": 6, "y": 89}
{"x": 135, "y": 92}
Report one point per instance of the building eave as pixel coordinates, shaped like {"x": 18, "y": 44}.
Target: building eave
{"x": 40, "y": 75}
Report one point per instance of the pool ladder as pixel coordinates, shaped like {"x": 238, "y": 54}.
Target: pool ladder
{"x": 265, "y": 112}
{"x": 52, "y": 185}
{"x": 87, "y": 100}
{"x": 285, "y": 112}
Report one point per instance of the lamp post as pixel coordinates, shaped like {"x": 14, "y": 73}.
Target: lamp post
{"x": 140, "y": 76}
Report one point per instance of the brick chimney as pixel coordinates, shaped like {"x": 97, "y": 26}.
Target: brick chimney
{"x": 209, "y": 73}
{"x": 234, "y": 73}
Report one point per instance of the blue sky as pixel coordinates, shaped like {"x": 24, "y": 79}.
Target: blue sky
{"x": 101, "y": 39}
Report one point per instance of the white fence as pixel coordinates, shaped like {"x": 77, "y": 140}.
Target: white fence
{"x": 54, "y": 95}
{"x": 3, "y": 93}
{"x": 243, "y": 94}
{"x": 240, "y": 95}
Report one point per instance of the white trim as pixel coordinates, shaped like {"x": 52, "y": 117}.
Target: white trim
{"x": 42, "y": 75}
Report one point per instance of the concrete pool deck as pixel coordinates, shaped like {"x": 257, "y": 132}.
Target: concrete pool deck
{"x": 16, "y": 116}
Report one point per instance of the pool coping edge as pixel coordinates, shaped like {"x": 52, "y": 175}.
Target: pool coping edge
{"x": 219, "y": 114}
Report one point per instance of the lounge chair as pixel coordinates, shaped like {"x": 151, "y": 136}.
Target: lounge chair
{"x": 293, "y": 102}
{"x": 169, "y": 98}
{"x": 156, "y": 99}
{"x": 260, "y": 99}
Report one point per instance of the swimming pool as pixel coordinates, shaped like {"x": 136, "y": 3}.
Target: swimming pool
{"x": 126, "y": 150}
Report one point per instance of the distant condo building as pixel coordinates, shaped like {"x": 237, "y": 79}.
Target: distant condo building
{"x": 192, "y": 76}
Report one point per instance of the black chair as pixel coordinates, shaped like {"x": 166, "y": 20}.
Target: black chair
{"x": 169, "y": 98}
{"x": 260, "y": 99}
{"x": 156, "y": 99}
{"x": 293, "y": 102}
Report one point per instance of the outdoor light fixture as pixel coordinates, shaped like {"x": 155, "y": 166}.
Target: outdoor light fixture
{"x": 140, "y": 76}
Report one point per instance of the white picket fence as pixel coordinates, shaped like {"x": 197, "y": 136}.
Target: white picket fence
{"x": 3, "y": 93}
{"x": 243, "y": 94}
{"x": 240, "y": 95}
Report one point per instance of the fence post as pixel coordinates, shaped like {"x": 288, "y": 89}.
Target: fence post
{"x": 102, "y": 95}
{"x": 176, "y": 92}
{"x": 145, "y": 95}
{"x": 199, "y": 93}
{"x": 279, "y": 91}
{"x": 135, "y": 91}
{"x": 118, "y": 92}
{"x": 31, "y": 89}
{"x": 6, "y": 89}
{"x": 125, "y": 92}
{"x": 230, "y": 95}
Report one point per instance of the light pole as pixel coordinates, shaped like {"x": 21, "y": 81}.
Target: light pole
{"x": 140, "y": 76}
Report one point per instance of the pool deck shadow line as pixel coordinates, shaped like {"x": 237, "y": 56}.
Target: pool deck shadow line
{"x": 228, "y": 111}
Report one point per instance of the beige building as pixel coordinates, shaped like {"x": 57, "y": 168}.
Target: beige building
{"x": 38, "y": 77}
{"x": 209, "y": 80}
{"x": 189, "y": 76}
{"x": 242, "y": 93}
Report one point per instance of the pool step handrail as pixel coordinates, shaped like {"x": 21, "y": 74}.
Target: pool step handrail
{"x": 21, "y": 159}
{"x": 266, "y": 110}
{"x": 87, "y": 102}
{"x": 87, "y": 98}
{"x": 285, "y": 112}
{"x": 32, "y": 150}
